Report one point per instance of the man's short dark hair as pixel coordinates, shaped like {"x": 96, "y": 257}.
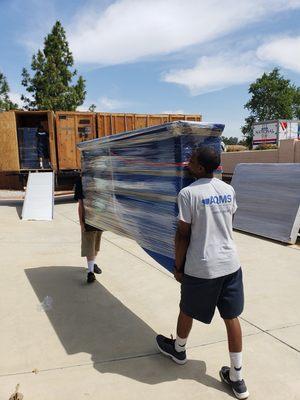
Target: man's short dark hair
{"x": 208, "y": 157}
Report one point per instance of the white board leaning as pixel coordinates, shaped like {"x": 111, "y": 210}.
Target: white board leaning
{"x": 39, "y": 197}
{"x": 268, "y": 199}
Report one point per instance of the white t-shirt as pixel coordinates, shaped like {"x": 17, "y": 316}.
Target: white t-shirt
{"x": 208, "y": 205}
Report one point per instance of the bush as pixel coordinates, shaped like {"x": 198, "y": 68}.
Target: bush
{"x": 235, "y": 147}
{"x": 266, "y": 147}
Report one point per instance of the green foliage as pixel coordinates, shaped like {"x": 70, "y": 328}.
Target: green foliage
{"x": 51, "y": 86}
{"x": 230, "y": 140}
{"x": 247, "y": 130}
{"x": 296, "y": 104}
{"x": 272, "y": 97}
{"x": 92, "y": 108}
{"x": 5, "y": 103}
{"x": 243, "y": 142}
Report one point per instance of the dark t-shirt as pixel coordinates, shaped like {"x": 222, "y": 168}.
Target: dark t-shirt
{"x": 78, "y": 192}
{"x": 42, "y": 144}
{"x": 78, "y": 195}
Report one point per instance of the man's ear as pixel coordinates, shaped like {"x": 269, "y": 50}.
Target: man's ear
{"x": 201, "y": 170}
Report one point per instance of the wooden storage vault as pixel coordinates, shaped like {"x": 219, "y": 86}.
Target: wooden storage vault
{"x": 18, "y": 139}
{"x": 9, "y": 154}
{"x": 72, "y": 128}
{"x": 109, "y": 124}
{"x": 18, "y": 151}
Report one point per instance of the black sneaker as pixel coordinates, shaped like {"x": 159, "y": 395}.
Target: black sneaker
{"x": 167, "y": 347}
{"x": 97, "y": 270}
{"x": 90, "y": 277}
{"x": 239, "y": 387}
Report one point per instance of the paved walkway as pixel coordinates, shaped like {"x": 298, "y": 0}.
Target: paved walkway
{"x": 98, "y": 341}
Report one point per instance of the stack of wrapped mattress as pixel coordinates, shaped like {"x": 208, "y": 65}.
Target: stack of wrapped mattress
{"x": 268, "y": 198}
{"x": 131, "y": 181}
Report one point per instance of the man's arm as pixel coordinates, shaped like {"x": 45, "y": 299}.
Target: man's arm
{"x": 182, "y": 241}
{"x": 81, "y": 213}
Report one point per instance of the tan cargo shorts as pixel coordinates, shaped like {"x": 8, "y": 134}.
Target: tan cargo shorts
{"x": 90, "y": 243}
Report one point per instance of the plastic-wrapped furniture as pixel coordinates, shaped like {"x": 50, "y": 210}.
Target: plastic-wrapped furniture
{"x": 131, "y": 181}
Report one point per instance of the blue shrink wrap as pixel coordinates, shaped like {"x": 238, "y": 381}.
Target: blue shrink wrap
{"x": 131, "y": 181}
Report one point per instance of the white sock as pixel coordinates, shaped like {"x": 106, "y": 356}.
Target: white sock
{"x": 235, "y": 366}
{"x": 91, "y": 265}
{"x": 180, "y": 344}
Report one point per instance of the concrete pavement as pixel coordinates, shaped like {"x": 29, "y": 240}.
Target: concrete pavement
{"x": 98, "y": 341}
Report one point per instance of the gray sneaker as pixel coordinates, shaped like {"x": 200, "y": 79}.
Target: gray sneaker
{"x": 167, "y": 347}
{"x": 239, "y": 387}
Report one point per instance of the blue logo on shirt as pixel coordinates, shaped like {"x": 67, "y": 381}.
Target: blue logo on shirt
{"x": 221, "y": 199}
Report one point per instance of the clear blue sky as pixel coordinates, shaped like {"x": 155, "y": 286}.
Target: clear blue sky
{"x": 154, "y": 56}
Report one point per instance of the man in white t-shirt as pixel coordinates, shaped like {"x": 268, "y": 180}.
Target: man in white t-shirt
{"x": 207, "y": 265}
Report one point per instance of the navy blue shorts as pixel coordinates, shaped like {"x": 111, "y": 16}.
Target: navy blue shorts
{"x": 200, "y": 297}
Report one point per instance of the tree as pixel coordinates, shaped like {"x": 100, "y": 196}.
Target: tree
{"x": 247, "y": 130}
{"x": 243, "y": 142}
{"x": 92, "y": 107}
{"x": 5, "y": 103}
{"x": 296, "y": 104}
{"x": 51, "y": 87}
{"x": 272, "y": 97}
{"x": 230, "y": 140}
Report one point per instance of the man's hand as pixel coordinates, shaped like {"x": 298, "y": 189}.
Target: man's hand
{"x": 178, "y": 275}
{"x": 82, "y": 226}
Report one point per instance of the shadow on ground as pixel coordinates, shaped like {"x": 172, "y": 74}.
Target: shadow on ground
{"x": 90, "y": 319}
{"x": 17, "y": 204}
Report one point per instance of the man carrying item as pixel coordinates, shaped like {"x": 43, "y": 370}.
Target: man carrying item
{"x": 42, "y": 140}
{"x": 90, "y": 236}
{"x": 207, "y": 265}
